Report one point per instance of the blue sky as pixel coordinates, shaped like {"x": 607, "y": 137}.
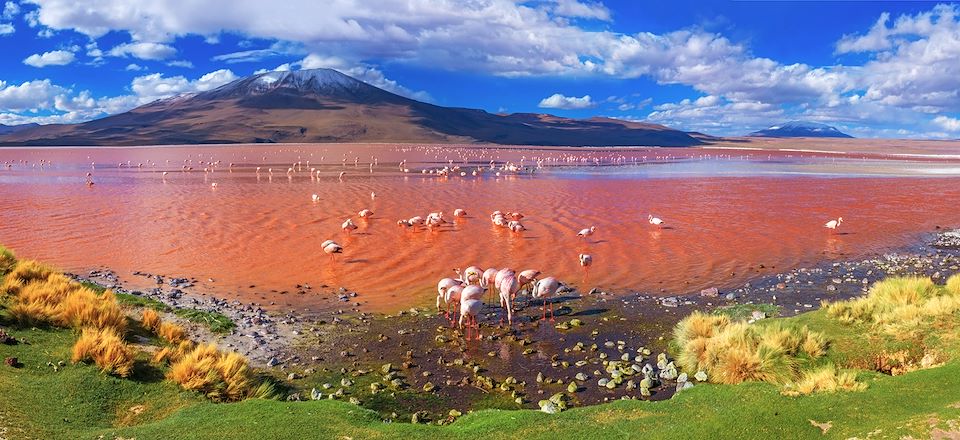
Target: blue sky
{"x": 873, "y": 69}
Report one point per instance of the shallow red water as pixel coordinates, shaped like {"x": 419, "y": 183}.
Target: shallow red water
{"x": 726, "y": 215}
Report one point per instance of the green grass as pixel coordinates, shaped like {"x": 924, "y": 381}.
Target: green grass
{"x": 742, "y": 312}
{"x": 216, "y": 322}
{"x": 76, "y": 401}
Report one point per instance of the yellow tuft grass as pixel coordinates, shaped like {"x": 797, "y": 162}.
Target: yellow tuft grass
{"x": 171, "y": 332}
{"x": 150, "y": 320}
{"x": 106, "y": 349}
{"x": 173, "y": 353}
{"x": 84, "y": 308}
{"x": 900, "y": 305}
{"x": 218, "y": 375}
{"x": 824, "y": 380}
{"x": 734, "y": 352}
{"x": 7, "y": 260}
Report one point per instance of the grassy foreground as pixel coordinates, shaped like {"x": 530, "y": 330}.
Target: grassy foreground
{"x": 50, "y": 397}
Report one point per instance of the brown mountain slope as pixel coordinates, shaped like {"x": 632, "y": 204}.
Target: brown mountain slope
{"x": 324, "y": 105}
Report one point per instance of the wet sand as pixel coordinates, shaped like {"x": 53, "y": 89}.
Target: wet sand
{"x": 731, "y": 216}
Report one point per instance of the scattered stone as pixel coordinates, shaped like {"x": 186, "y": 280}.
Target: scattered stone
{"x": 420, "y": 417}
{"x": 712, "y": 292}
{"x": 12, "y": 362}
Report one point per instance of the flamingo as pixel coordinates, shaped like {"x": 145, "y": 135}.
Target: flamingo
{"x": 348, "y": 226}
{"x": 365, "y": 213}
{"x": 459, "y": 213}
{"x": 452, "y": 298}
{"x": 656, "y": 221}
{"x": 472, "y": 275}
{"x": 516, "y": 226}
{"x": 341, "y": 175}
{"x": 586, "y": 232}
{"x": 472, "y": 291}
{"x": 508, "y": 289}
{"x": 330, "y": 247}
{"x": 469, "y": 309}
{"x": 834, "y": 224}
{"x": 442, "y": 287}
{"x": 586, "y": 260}
{"x": 527, "y": 277}
{"x": 543, "y": 289}
{"x": 489, "y": 281}
{"x": 315, "y": 198}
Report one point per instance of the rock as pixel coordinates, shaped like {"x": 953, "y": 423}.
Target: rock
{"x": 293, "y": 376}
{"x": 712, "y": 292}
{"x": 346, "y": 382}
{"x": 731, "y": 296}
{"x": 549, "y": 407}
{"x": 428, "y": 387}
{"x": 602, "y": 382}
{"x": 315, "y": 394}
{"x": 758, "y": 315}
{"x": 386, "y": 368}
{"x": 295, "y": 397}
{"x": 670, "y": 301}
{"x": 12, "y": 362}
{"x": 572, "y": 387}
{"x": 454, "y": 413}
{"x": 576, "y": 323}
{"x": 581, "y": 377}
{"x": 701, "y": 376}
{"x": 831, "y": 288}
{"x": 420, "y": 417}
{"x": 273, "y": 362}
{"x": 355, "y": 401}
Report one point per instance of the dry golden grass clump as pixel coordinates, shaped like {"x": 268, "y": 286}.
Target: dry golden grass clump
{"x": 173, "y": 353}
{"x": 44, "y": 296}
{"x": 900, "y": 304}
{"x": 171, "y": 332}
{"x": 734, "y": 352}
{"x": 221, "y": 376}
{"x": 825, "y": 379}
{"x": 150, "y": 320}
{"x": 7, "y": 260}
{"x": 106, "y": 349}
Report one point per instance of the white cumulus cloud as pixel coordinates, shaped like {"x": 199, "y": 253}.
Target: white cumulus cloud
{"x": 947, "y": 123}
{"x": 53, "y": 58}
{"x": 144, "y": 51}
{"x": 566, "y": 102}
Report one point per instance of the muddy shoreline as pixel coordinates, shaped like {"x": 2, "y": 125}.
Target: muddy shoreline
{"x": 410, "y": 361}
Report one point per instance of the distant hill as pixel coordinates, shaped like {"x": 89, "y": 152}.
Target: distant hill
{"x": 323, "y": 105}
{"x": 5, "y": 129}
{"x": 800, "y": 129}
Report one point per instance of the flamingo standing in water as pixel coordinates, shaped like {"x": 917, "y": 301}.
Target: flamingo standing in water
{"x": 586, "y": 260}
{"x": 459, "y": 213}
{"x": 315, "y": 198}
{"x": 586, "y": 232}
{"x": 527, "y": 278}
{"x": 833, "y": 224}
{"x": 469, "y": 309}
{"x": 656, "y": 221}
{"x": 442, "y": 287}
{"x": 489, "y": 281}
{"x": 545, "y": 288}
{"x": 452, "y": 298}
{"x": 365, "y": 213}
{"x": 508, "y": 289}
{"x": 348, "y": 226}
{"x": 330, "y": 247}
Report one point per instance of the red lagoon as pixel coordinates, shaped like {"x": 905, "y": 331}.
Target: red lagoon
{"x": 730, "y": 215}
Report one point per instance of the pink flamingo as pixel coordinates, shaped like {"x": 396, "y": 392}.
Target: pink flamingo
{"x": 330, "y": 247}
{"x": 472, "y": 275}
{"x": 587, "y": 232}
{"x": 586, "y": 260}
{"x": 472, "y": 291}
{"x": 543, "y": 289}
{"x": 452, "y": 297}
{"x": 527, "y": 277}
{"x": 442, "y": 287}
{"x": 469, "y": 310}
{"x": 489, "y": 281}
{"x": 348, "y": 226}
{"x": 508, "y": 289}
{"x": 833, "y": 224}
{"x": 365, "y": 213}
{"x": 515, "y": 226}
{"x": 656, "y": 221}
{"x": 459, "y": 213}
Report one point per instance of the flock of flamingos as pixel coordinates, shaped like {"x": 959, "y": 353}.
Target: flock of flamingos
{"x": 464, "y": 294}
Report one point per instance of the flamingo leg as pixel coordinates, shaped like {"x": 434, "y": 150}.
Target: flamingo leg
{"x": 551, "y": 312}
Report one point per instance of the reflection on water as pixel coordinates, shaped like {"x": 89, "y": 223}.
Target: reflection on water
{"x": 728, "y": 213}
